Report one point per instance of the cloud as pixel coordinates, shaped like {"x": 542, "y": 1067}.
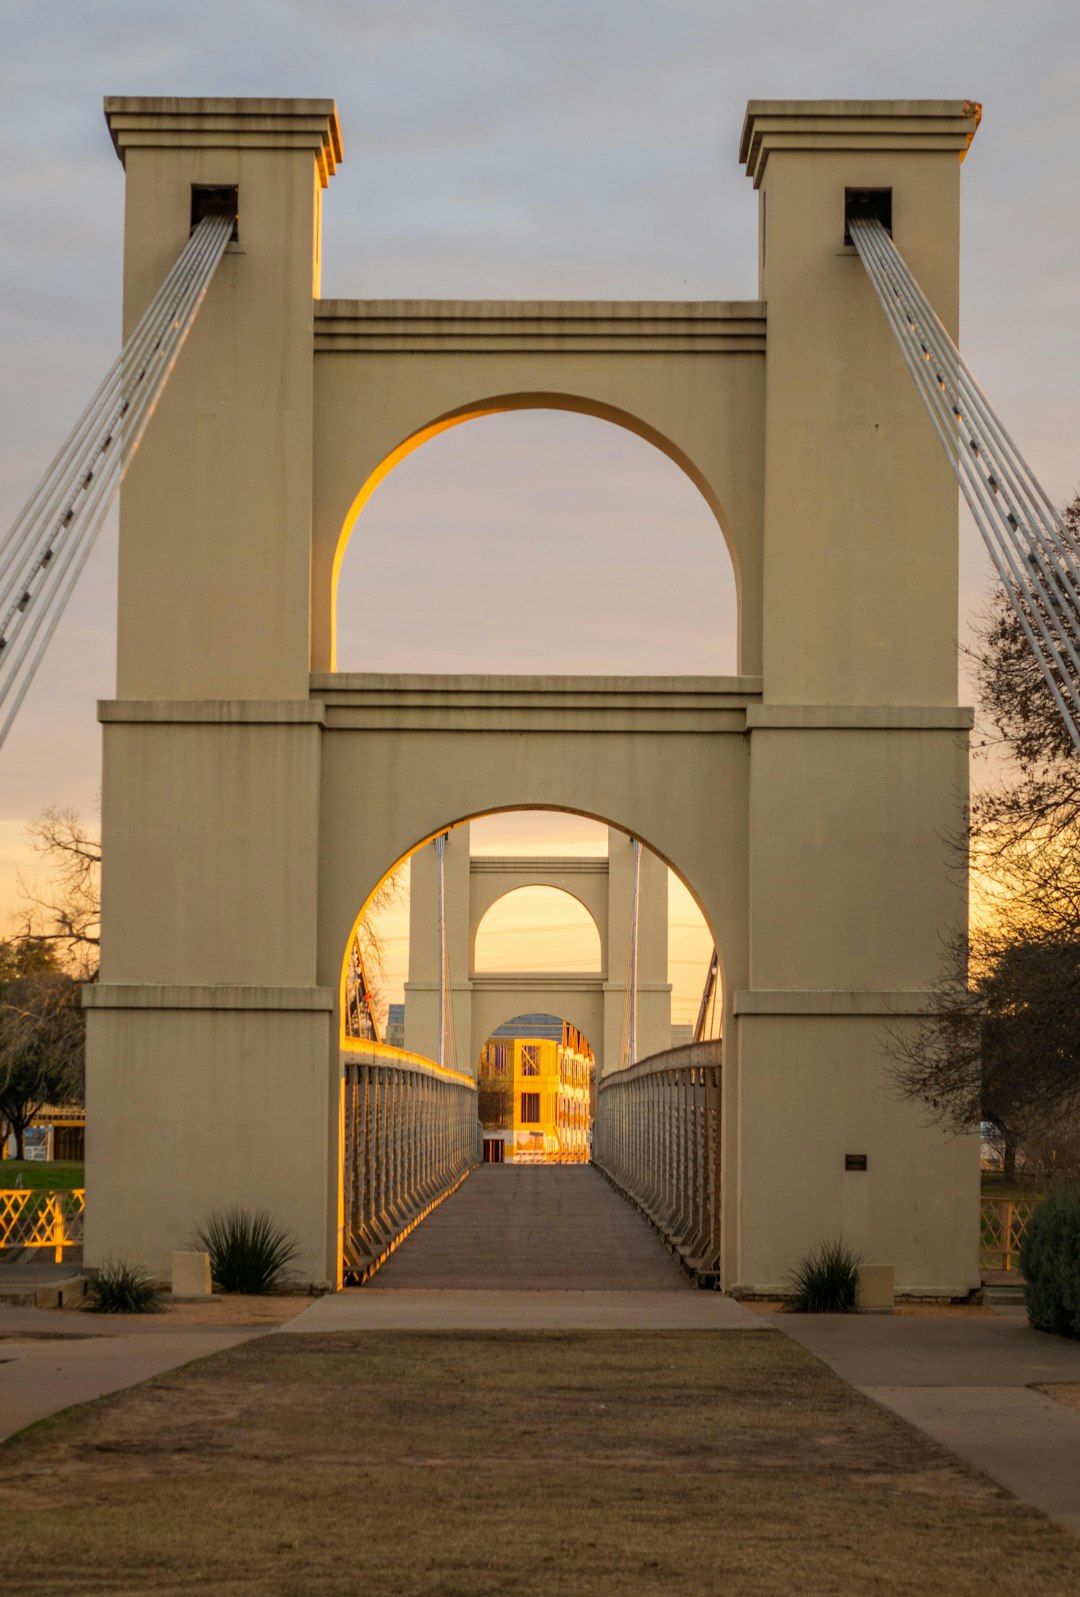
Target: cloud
{"x": 582, "y": 148}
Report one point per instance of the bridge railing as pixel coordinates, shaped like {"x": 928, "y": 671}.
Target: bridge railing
{"x": 1003, "y": 1225}
{"x": 657, "y": 1138}
{"x": 411, "y": 1136}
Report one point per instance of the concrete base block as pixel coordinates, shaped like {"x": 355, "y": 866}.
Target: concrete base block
{"x": 191, "y": 1275}
{"x": 876, "y": 1292}
{"x": 59, "y": 1294}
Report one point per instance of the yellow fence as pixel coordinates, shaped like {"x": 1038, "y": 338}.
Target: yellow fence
{"x": 30, "y": 1219}
{"x": 1003, "y": 1226}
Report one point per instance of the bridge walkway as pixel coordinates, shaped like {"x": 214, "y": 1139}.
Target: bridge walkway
{"x": 521, "y": 1228}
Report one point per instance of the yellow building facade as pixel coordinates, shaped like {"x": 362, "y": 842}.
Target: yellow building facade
{"x": 535, "y": 1100}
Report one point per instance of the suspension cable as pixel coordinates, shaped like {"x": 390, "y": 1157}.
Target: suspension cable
{"x": 628, "y": 1028}
{"x": 1034, "y": 554}
{"x": 43, "y": 553}
{"x": 447, "y": 1054}
{"x": 703, "y": 1024}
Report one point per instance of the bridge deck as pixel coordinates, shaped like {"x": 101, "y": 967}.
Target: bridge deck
{"x": 532, "y": 1228}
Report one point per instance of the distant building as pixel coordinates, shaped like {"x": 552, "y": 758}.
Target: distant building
{"x": 682, "y": 1034}
{"x": 534, "y": 1100}
{"x": 395, "y": 1025}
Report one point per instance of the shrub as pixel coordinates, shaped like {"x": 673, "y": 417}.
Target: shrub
{"x": 248, "y": 1250}
{"x": 122, "y": 1288}
{"x": 1050, "y": 1261}
{"x": 825, "y": 1282}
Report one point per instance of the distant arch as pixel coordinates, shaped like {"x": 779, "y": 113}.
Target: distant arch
{"x": 483, "y": 907}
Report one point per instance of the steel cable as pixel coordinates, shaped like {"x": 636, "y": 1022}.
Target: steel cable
{"x": 45, "y": 551}
{"x": 1032, "y": 551}
{"x": 68, "y": 464}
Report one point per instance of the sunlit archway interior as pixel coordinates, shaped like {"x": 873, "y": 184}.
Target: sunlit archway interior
{"x": 537, "y": 929}
{"x": 537, "y": 540}
{"x": 535, "y": 938}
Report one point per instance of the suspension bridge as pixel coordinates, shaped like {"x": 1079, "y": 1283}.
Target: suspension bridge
{"x": 254, "y": 796}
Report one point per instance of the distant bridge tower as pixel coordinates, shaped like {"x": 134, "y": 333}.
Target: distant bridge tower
{"x": 481, "y": 1001}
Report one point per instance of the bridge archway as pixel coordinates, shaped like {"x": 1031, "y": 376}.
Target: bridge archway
{"x": 686, "y": 485}
{"x": 252, "y": 798}
{"x": 594, "y": 1001}
{"x": 497, "y": 892}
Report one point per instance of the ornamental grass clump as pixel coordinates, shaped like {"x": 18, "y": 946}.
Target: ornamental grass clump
{"x": 248, "y": 1250}
{"x": 826, "y": 1280}
{"x": 1050, "y": 1263}
{"x": 123, "y": 1288}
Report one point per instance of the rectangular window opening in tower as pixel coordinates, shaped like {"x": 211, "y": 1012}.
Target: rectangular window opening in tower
{"x": 876, "y": 204}
{"x": 216, "y": 199}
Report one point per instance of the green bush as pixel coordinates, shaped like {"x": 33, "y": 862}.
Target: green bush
{"x": 1050, "y": 1262}
{"x": 248, "y": 1250}
{"x": 826, "y": 1281}
{"x": 123, "y": 1288}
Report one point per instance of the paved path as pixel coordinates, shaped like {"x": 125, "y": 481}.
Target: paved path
{"x": 967, "y": 1382}
{"x": 529, "y": 1247}
{"x": 533, "y": 1228}
{"x": 363, "y": 1310}
{"x": 50, "y": 1360}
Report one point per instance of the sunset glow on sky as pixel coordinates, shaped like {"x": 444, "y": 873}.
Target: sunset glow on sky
{"x": 484, "y": 157}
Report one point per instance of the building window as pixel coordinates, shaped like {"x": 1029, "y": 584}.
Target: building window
{"x": 530, "y": 1108}
{"x": 530, "y": 1059}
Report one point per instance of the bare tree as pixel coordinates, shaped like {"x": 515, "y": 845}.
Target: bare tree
{"x": 41, "y": 1035}
{"x": 67, "y": 912}
{"x": 1001, "y": 1041}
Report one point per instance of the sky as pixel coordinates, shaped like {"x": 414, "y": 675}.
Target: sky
{"x": 578, "y": 149}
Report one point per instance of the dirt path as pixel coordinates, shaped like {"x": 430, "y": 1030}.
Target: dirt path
{"x": 490, "y": 1464}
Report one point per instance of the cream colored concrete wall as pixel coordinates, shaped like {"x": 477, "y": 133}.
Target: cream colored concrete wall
{"x": 581, "y": 1004}
{"x": 204, "y": 1095}
{"x": 852, "y": 876}
{"x": 815, "y": 1089}
{"x": 625, "y": 780}
{"x": 861, "y": 550}
{"x": 191, "y": 1109}
{"x": 210, "y": 835}
{"x": 216, "y": 510}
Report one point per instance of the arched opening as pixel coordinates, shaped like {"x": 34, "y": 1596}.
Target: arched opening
{"x": 509, "y": 939}
{"x": 537, "y": 929}
{"x": 535, "y": 540}
{"x": 524, "y": 1066}
{"x": 536, "y": 1092}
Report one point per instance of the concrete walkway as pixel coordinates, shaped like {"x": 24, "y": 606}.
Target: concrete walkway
{"x": 533, "y": 1228}
{"x": 50, "y": 1360}
{"x": 529, "y": 1247}
{"x": 363, "y": 1310}
{"x": 967, "y": 1382}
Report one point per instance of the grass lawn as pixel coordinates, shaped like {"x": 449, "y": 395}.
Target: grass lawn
{"x": 994, "y": 1185}
{"x": 41, "y": 1175}
{"x": 546, "y": 1464}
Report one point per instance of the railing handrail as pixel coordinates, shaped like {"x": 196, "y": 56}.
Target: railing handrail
{"x": 1002, "y": 1240}
{"x": 686, "y": 1055}
{"x": 42, "y": 1217}
{"x": 383, "y": 1053}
